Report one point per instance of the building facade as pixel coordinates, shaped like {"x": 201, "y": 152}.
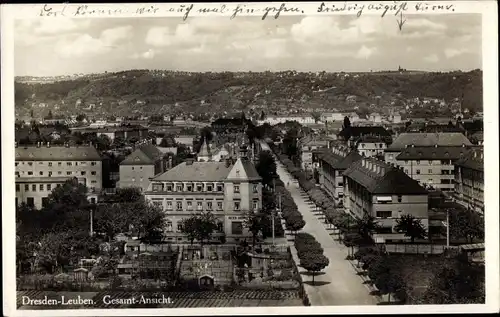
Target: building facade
{"x": 371, "y": 146}
{"x": 469, "y": 180}
{"x": 229, "y": 191}
{"x": 41, "y": 168}
{"x": 307, "y": 146}
{"x": 432, "y": 165}
{"x": 385, "y": 192}
{"x": 332, "y": 166}
{"x": 139, "y": 166}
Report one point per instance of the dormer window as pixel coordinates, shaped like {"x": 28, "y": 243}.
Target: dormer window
{"x": 236, "y": 189}
{"x": 178, "y": 187}
{"x": 199, "y": 187}
{"x": 220, "y": 187}
{"x": 210, "y": 187}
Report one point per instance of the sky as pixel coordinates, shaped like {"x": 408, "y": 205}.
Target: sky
{"x": 50, "y": 47}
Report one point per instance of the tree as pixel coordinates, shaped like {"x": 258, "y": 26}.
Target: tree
{"x": 103, "y": 143}
{"x": 50, "y": 116}
{"x": 466, "y": 223}
{"x": 266, "y": 167}
{"x": 366, "y": 226}
{"x": 316, "y": 116}
{"x": 80, "y": 118}
{"x": 128, "y": 195}
{"x": 411, "y": 227}
{"x": 189, "y": 227}
{"x": 314, "y": 262}
{"x": 254, "y": 223}
{"x": 458, "y": 282}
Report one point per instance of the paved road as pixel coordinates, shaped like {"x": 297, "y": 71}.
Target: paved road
{"x": 339, "y": 285}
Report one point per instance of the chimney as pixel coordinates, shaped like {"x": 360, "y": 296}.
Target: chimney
{"x": 38, "y": 144}
{"x": 66, "y": 144}
{"x": 243, "y": 152}
{"x": 48, "y": 144}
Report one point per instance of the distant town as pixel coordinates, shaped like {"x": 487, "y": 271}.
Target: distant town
{"x": 306, "y": 191}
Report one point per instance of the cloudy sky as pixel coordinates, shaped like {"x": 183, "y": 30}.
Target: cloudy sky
{"x": 45, "y": 47}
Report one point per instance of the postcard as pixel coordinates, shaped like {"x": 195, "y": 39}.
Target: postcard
{"x": 250, "y": 158}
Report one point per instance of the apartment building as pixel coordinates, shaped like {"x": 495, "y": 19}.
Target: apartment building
{"x": 227, "y": 190}
{"x": 405, "y": 140}
{"x": 112, "y": 132}
{"x": 332, "y": 166}
{"x": 139, "y": 166}
{"x": 469, "y": 180}
{"x": 369, "y": 145}
{"x": 432, "y": 165}
{"x": 376, "y": 188}
{"x": 307, "y": 146}
{"x": 41, "y": 168}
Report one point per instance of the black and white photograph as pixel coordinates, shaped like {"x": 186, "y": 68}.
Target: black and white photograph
{"x": 259, "y": 156}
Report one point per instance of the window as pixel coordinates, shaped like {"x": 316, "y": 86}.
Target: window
{"x": 169, "y": 205}
{"x": 210, "y": 187}
{"x": 157, "y": 187}
{"x": 430, "y": 162}
{"x": 400, "y": 198}
{"x": 418, "y": 162}
{"x": 168, "y": 227}
{"x": 59, "y": 163}
{"x": 178, "y": 187}
{"x": 17, "y": 174}
{"x": 169, "y": 187}
{"x": 220, "y": 227}
{"x": 363, "y": 145}
{"x": 30, "y": 163}
{"x": 158, "y": 203}
{"x": 33, "y": 188}
{"x": 41, "y": 187}
{"x": 384, "y": 214}
{"x": 236, "y": 205}
{"x": 430, "y": 170}
{"x": 179, "y": 205}
{"x": 30, "y": 173}
{"x": 220, "y": 187}
{"x": 219, "y": 205}
{"x": 255, "y": 188}
{"x": 236, "y": 188}
{"x": 189, "y": 187}
{"x": 93, "y": 163}
{"x": 18, "y": 188}
{"x": 418, "y": 172}
{"x": 30, "y": 201}
{"x": 133, "y": 168}
{"x": 341, "y": 184}
{"x": 49, "y": 187}
{"x": 179, "y": 227}
{"x": 68, "y": 173}
{"x": 255, "y": 204}
{"x": 199, "y": 187}
{"x": 50, "y": 174}
{"x": 26, "y": 188}
{"x": 83, "y": 173}
{"x": 199, "y": 205}
{"x": 93, "y": 173}
{"x": 93, "y": 182}
{"x": 59, "y": 173}
{"x": 17, "y": 163}
{"x": 69, "y": 163}
{"x": 189, "y": 205}
{"x": 50, "y": 163}
{"x": 209, "y": 205}
{"x": 236, "y": 228}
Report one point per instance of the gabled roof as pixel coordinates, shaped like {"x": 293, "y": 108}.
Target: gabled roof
{"x": 429, "y": 139}
{"x": 433, "y": 153}
{"x": 57, "y": 153}
{"x": 147, "y": 154}
{"x": 347, "y": 161}
{"x": 388, "y": 180}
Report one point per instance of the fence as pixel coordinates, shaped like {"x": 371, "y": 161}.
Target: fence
{"x": 419, "y": 248}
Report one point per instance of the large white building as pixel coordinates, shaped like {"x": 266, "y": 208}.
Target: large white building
{"x": 41, "y": 168}
{"x": 226, "y": 189}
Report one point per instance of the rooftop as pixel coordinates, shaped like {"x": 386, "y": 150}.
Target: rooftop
{"x": 380, "y": 178}
{"x": 144, "y": 155}
{"x": 433, "y": 153}
{"x": 196, "y": 171}
{"x": 474, "y": 159}
{"x": 57, "y": 153}
{"x": 429, "y": 139}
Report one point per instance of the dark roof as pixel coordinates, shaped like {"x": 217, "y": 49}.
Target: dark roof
{"x": 371, "y": 139}
{"x": 368, "y": 130}
{"x": 197, "y": 171}
{"x": 428, "y": 139}
{"x": 250, "y": 170}
{"x": 347, "y": 161}
{"x": 474, "y": 159}
{"x": 57, "y": 153}
{"x": 433, "y": 153}
{"x": 390, "y": 180}
{"x": 145, "y": 155}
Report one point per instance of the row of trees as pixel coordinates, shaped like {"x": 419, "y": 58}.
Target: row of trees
{"x": 310, "y": 253}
